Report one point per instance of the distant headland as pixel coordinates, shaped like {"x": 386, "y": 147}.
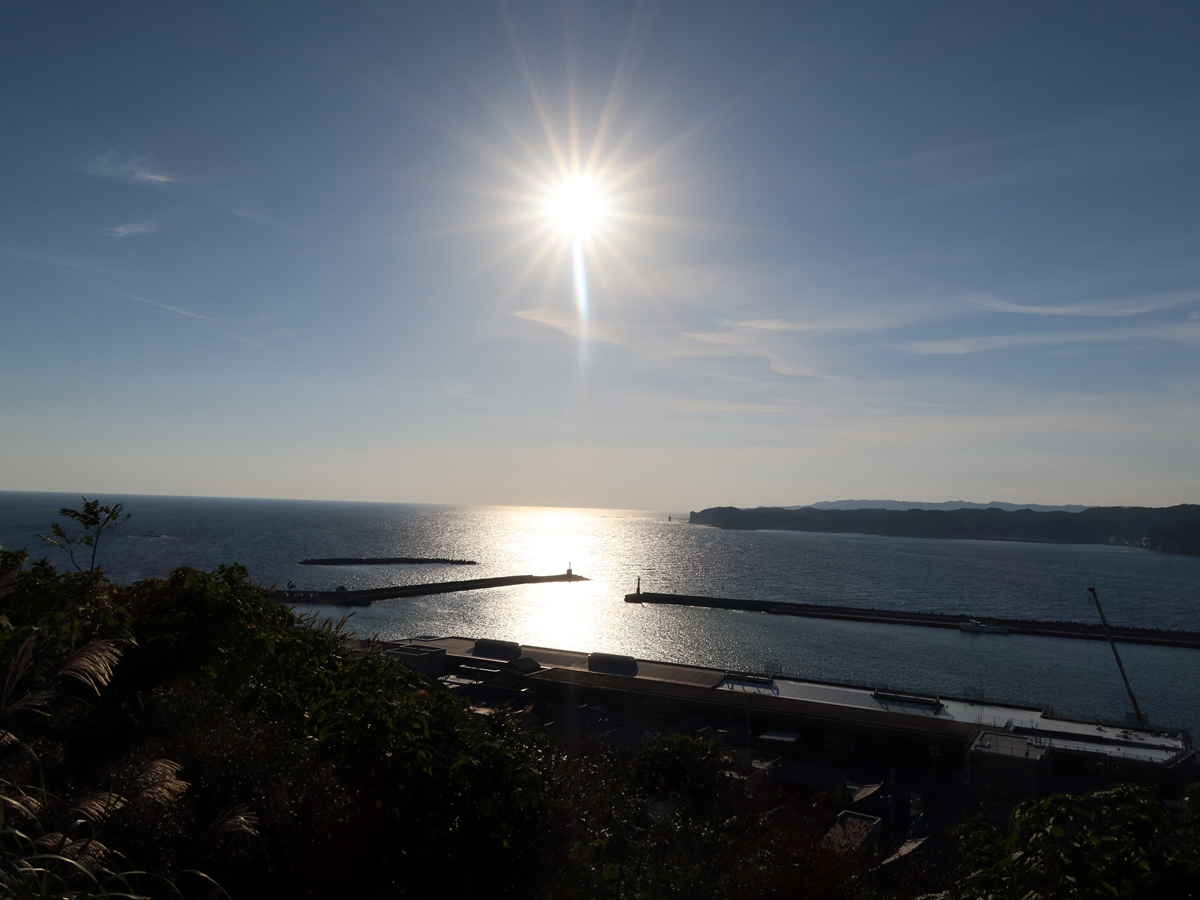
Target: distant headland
{"x": 942, "y": 504}
{"x": 1173, "y": 529}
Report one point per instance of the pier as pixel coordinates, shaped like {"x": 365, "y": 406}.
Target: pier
{"x": 1078, "y": 630}
{"x": 386, "y": 561}
{"x": 367, "y": 597}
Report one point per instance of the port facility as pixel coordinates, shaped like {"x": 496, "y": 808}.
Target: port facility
{"x": 1004, "y": 750}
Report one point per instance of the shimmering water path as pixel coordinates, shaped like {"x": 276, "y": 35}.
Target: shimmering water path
{"x": 614, "y": 548}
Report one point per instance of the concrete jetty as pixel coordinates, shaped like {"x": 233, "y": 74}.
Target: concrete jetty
{"x": 385, "y": 561}
{"x": 367, "y": 597}
{"x": 1077, "y": 630}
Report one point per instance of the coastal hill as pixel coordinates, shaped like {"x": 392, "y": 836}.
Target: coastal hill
{"x": 1168, "y": 529}
{"x": 944, "y": 504}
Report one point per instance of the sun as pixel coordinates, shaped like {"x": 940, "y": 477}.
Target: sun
{"x": 576, "y": 207}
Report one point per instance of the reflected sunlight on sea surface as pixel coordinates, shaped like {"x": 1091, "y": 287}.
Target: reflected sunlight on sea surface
{"x": 615, "y": 547}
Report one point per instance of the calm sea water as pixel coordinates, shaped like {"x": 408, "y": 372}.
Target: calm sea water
{"x": 615, "y": 547}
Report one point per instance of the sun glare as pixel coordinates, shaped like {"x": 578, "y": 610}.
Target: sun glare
{"x": 576, "y": 207}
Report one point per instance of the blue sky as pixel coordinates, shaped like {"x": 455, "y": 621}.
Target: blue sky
{"x": 919, "y": 251}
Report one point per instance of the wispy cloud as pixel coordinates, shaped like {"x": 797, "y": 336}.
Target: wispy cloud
{"x": 760, "y": 343}
{"x": 254, "y": 216}
{"x": 174, "y": 309}
{"x": 134, "y": 228}
{"x": 730, "y": 407}
{"x": 1125, "y": 306}
{"x": 769, "y": 325}
{"x": 1087, "y": 145}
{"x": 240, "y": 338}
{"x": 96, "y": 267}
{"x": 751, "y": 296}
{"x": 571, "y": 325}
{"x": 941, "y": 155}
{"x": 231, "y": 335}
{"x": 1178, "y": 332}
{"x": 130, "y": 169}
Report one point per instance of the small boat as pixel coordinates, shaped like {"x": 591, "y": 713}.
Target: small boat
{"x": 976, "y": 627}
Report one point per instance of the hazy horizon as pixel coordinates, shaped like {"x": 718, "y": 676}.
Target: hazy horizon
{"x": 122, "y": 496}
{"x": 620, "y": 255}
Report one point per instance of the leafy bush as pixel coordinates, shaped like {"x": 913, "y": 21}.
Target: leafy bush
{"x": 1122, "y": 842}
{"x": 339, "y": 771}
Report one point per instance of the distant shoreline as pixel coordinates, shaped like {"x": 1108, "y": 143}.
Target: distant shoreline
{"x": 1174, "y": 529}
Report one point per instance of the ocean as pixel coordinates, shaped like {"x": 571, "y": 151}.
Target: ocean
{"x": 613, "y": 548}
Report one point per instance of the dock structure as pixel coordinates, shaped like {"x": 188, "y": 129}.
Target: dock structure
{"x": 1001, "y": 751}
{"x": 1076, "y": 630}
{"x": 367, "y": 597}
{"x": 385, "y": 561}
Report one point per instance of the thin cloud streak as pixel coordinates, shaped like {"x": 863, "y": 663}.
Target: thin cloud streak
{"x": 174, "y": 309}
{"x": 1128, "y": 306}
{"x": 129, "y": 169}
{"x": 570, "y": 325}
{"x": 231, "y": 335}
{"x": 135, "y": 228}
{"x": 79, "y": 265}
{"x": 1177, "y": 332}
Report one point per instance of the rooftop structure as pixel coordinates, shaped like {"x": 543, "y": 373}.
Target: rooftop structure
{"x": 1011, "y": 749}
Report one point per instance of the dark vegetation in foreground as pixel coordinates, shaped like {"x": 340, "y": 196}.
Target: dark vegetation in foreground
{"x": 1174, "y": 529}
{"x": 166, "y": 737}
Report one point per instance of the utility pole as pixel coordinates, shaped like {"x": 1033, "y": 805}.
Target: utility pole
{"x": 1113, "y": 644}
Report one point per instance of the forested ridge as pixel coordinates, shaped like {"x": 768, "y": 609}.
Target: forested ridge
{"x": 1170, "y": 529}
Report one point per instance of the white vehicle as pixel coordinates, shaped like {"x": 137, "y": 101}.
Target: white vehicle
{"x": 977, "y": 627}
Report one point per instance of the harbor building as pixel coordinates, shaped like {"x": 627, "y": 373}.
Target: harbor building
{"x": 966, "y": 747}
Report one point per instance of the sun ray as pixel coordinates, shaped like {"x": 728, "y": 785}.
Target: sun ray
{"x": 550, "y": 243}
{"x": 531, "y": 236}
{"x": 573, "y": 135}
{"x": 681, "y": 224}
{"x": 545, "y": 169}
{"x": 691, "y": 133}
{"x": 635, "y": 38}
{"x": 419, "y": 107}
{"x": 536, "y": 92}
{"x": 494, "y": 223}
{"x": 630, "y": 269}
{"x": 596, "y": 261}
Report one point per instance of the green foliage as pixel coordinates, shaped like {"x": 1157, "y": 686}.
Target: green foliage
{"x": 670, "y": 820}
{"x": 1122, "y": 842}
{"x": 96, "y": 520}
{"x": 358, "y": 776}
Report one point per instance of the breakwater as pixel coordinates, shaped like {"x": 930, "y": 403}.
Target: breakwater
{"x": 1078, "y": 630}
{"x": 385, "y": 561}
{"x": 367, "y": 597}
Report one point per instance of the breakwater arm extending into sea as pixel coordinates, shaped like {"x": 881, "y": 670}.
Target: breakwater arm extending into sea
{"x": 1078, "y": 630}
{"x": 367, "y": 597}
{"x": 1173, "y": 529}
{"x": 385, "y": 561}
